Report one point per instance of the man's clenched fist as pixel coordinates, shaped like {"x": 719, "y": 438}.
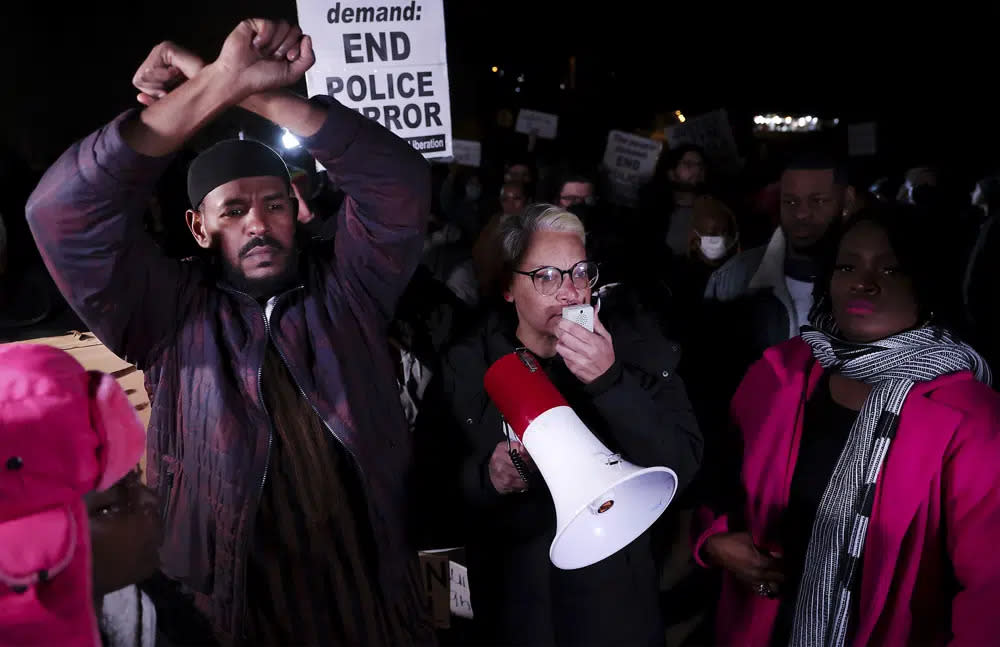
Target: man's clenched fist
{"x": 264, "y": 55}
{"x": 166, "y": 67}
{"x": 258, "y": 55}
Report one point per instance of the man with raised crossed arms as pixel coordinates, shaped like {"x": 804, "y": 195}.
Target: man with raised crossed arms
{"x": 281, "y": 464}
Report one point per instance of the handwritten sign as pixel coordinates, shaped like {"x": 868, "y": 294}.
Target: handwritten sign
{"x": 629, "y": 161}
{"x": 446, "y": 586}
{"x": 461, "y": 597}
{"x": 862, "y": 139}
{"x": 542, "y": 124}
{"x": 467, "y": 152}
{"x": 714, "y": 135}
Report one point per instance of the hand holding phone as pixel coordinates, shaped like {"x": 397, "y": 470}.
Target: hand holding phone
{"x": 581, "y": 315}
{"x": 587, "y": 355}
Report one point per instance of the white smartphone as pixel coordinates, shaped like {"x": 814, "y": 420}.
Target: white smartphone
{"x": 582, "y": 315}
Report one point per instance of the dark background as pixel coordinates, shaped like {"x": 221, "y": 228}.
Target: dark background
{"x": 926, "y": 76}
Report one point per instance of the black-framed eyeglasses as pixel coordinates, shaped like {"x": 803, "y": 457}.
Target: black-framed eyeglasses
{"x": 548, "y": 280}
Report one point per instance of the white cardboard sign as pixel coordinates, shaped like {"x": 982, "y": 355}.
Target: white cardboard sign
{"x": 862, "y": 139}
{"x": 467, "y": 152}
{"x": 532, "y": 122}
{"x": 388, "y": 61}
{"x": 629, "y": 161}
{"x": 714, "y": 134}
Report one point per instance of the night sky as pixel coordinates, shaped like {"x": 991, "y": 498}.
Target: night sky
{"x": 928, "y": 78}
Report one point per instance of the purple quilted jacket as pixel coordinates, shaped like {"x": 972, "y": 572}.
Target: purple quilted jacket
{"x": 202, "y": 343}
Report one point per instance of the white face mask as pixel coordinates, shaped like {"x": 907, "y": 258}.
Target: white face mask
{"x": 977, "y": 196}
{"x": 714, "y": 247}
{"x": 908, "y": 192}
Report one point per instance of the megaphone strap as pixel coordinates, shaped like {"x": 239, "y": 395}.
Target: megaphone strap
{"x": 527, "y": 358}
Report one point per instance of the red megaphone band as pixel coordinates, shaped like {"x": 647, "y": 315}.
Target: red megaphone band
{"x": 519, "y": 388}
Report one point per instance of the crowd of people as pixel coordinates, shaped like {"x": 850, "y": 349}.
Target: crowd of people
{"x": 814, "y": 368}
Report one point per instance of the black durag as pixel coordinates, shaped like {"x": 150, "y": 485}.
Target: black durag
{"x": 230, "y": 160}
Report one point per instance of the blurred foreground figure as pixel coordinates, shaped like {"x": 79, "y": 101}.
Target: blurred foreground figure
{"x": 64, "y": 433}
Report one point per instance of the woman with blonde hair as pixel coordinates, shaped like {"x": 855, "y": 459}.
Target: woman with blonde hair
{"x": 620, "y": 380}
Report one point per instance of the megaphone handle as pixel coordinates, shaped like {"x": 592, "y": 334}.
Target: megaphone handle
{"x": 519, "y": 465}
{"x": 518, "y": 462}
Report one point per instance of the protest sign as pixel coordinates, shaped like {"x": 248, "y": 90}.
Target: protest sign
{"x": 388, "y": 61}
{"x": 446, "y": 585}
{"x": 437, "y": 581}
{"x": 532, "y": 122}
{"x": 712, "y": 132}
{"x": 862, "y": 139}
{"x": 461, "y": 597}
{"x": 629, "y": 161}
{"x": 467, "y": 152}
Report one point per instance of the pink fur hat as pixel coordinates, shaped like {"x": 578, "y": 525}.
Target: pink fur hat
{"x": 64, "y": 432}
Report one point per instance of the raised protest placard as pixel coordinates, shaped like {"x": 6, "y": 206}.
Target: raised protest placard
{"x": 437, "y": 583}
{"x": 629, "y": 161}
{"x": 461, "y": 597}
{"x": 388, "y": 61}
{"x": 541, "y": 124}
{"x": 713, "y": 133}
{"x": 446, "y": 585}
{"x": 862, "y": 139}
{"x": 467, "y": 152}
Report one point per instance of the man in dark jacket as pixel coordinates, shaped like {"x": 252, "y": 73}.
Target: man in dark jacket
{"x": 762, "y": 296}
{"x": 276, "y": 441}
{"x": 620, "y": 380}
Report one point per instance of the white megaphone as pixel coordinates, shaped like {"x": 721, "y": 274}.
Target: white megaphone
{"x": 603, "y": 502}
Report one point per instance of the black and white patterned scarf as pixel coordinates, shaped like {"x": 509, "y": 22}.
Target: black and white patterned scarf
{"x": 892, "y": 366}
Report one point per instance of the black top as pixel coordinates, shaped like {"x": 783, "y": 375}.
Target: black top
{"x": 825, "y": 429}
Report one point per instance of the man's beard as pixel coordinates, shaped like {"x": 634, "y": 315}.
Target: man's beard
{"x": 263, "y": 288}
{"x": 821, "y": 249}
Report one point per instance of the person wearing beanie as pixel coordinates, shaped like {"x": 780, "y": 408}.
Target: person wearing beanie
{"x": 64, "y": 432}
{"x": 276, "y": 441}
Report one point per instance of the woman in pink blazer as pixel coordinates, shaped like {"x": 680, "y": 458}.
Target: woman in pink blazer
{"x": 867, "y": 508}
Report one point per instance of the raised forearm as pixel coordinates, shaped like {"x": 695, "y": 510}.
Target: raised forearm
{"x": 164, "y": 127}
{"x": 288, "y": 110}
{"x": 86, "y": 217}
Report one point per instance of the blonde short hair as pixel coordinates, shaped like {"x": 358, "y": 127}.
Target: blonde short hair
{"x": 516, "y": 230}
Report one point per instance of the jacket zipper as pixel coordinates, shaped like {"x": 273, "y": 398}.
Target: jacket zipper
{"x": 284, "y": 360}
{"x": 354, "y": 458}
{"x": 252, "y": 522}
{"x": 272, "y": 304}
{"x": 166, "y": 500}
